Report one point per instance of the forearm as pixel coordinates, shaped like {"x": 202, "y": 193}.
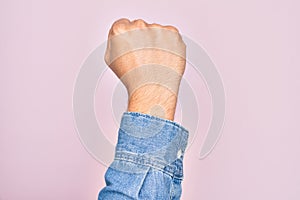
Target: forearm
{"x": 148, "y": 160}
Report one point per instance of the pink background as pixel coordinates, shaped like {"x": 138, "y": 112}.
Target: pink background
{"x": 255, "y": 45}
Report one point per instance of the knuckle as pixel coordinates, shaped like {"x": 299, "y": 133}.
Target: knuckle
{"x": 155, "y": 25}
{"x": 121, "y": 21}
{"x": 139, "y": 23}
{"x": 120, "y": 25}
{"x": 172, "y": 28}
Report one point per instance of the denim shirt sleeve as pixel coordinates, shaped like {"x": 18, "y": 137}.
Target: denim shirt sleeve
{"x": 148, "y": 161}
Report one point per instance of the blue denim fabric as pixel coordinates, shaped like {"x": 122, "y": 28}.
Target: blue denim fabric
{"x": 148, "y": 160}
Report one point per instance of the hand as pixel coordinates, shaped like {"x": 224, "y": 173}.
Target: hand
{"x": 150, "y": 60}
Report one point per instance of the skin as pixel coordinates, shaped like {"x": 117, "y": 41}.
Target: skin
{"x": 150, "y": 98}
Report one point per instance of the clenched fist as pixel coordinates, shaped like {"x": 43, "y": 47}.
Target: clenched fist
{"x": 150, "y": 60}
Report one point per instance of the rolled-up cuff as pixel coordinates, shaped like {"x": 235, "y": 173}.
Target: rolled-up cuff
{"x": 149, "y": 140}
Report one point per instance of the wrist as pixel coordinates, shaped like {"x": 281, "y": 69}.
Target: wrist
{"x": 154, "y": 100}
